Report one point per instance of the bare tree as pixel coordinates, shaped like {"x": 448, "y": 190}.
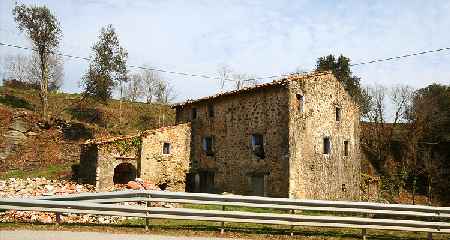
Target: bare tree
{"x": 149, "y": 83}
{"x": 224, "y": 72}
{"x": 164, "y": 92}
{"x": 27, "y": 70}
{"x": 239, "y": 80}
{"x": 17, "y": 67}
{"x": 134, "y": 89}
{"x": 242, "y": 80}
{"x": 44, "y": 31}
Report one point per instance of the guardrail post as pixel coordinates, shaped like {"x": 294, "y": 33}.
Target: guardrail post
{"x": 430, "y": 236}
{"x": 292, "y": 226}
{"x": 58, "y": 218}
{"x": 147, "y": 213}
{"x": 222, "y": 224}
{"x": 364, "y": 234}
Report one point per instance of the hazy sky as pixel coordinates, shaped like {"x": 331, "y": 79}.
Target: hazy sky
{"x": 255, "y": 37}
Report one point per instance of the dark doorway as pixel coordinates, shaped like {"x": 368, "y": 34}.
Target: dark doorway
{"x": 257, "y": 188}
{"x": 206, "y": 181}
{"x": 190, "y": 183}
{"x": 124, "y": 173}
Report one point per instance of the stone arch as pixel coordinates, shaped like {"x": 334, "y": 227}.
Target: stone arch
{"x": 123, "y": 173}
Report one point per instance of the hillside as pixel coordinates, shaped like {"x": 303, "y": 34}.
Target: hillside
{"x": 31, "y": 147}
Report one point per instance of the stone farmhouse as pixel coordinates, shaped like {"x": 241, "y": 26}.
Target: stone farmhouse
{"x": 295, "y": 137}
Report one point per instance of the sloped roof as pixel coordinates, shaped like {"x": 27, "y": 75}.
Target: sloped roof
{"x": 98, "y": 141}
{"x": 278, "y": 82}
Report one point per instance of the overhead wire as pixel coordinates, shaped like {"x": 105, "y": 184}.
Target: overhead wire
{"x": 231, "y": 79}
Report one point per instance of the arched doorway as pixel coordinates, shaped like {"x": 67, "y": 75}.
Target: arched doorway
{"x": 124, "y": 173}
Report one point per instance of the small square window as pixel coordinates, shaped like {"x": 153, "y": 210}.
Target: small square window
{"x": 208, "y": 146}
{"x": 338, "y": 114}
{"x": 326, "y": 145}
{"x": 194, "y": 113}
{"x": 258, "y": 145}
{"x": 210, "y": 110}
{"x": 345, "y": 148}
{"x": 166, "y": 148}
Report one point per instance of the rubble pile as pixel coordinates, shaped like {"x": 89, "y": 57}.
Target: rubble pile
{"x": 36, "y": 187}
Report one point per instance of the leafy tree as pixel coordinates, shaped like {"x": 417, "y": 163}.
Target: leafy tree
{"x": 341, "y": 69}
{"x": 431, "y": 110}
{"x": 107, "y": 67}
{"x": 44, "y": 31}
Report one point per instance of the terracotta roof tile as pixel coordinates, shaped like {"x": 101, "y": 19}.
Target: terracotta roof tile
{"x": 278, "y": 82}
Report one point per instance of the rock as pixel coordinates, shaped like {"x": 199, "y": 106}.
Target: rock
{"x": 20, "y": 126}
{"x": 45, "y": 218}
{"x": 133, "y": 185}
{"x": 14, "y": 136}
{"x": 149, "y": 186}
{"x": 31, "y": 134}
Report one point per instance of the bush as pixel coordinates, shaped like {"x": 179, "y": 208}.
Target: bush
{"x": 15, "y": 102}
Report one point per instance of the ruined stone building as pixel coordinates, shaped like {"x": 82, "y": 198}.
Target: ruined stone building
{"x": 295, "y": 137}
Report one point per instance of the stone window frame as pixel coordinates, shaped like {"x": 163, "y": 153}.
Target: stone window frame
{"x": 210, "y": 110}
{"x": 346, "y": 148}
{"x": 194, "y": 113}
{"x": 253, "y": 146}
{"x": 300, "y": 98}
{"x": 208, "y": 152}
{"x": 166, "y": 148}
{"x": 327, "y": 145}
{"x": 338, "y": 113}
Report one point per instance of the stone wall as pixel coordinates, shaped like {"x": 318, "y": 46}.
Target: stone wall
{"x": 104, "y": 157}
{"x": 232, "y": 166}
{"x": 88, "y": 164}
{"x": 313, "y": 174}
{"x": 167, "y": 170}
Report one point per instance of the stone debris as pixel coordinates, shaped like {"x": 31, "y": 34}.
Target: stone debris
{"x": 35, "y": 187}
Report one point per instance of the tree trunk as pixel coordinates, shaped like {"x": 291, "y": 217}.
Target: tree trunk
{"x": 44, "y": 84}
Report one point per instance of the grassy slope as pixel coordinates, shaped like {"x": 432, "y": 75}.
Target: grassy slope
{"x": 51, "y": 153}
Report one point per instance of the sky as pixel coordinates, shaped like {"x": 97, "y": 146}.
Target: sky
{"x": 255, "y": 37}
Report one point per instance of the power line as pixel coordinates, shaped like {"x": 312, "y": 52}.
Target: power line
{"x": 131, "y": 66}
{"x": 230, "y": 79}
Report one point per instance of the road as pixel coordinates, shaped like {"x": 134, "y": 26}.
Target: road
{"x": 66, "y": 235}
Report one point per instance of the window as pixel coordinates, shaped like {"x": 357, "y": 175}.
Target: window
{"x": 345, "y": 148}
{"x": 166, "y": 148}
{"x": 338, "y": 114}
{"x": 300, "y": 102}
{"x": 194, "y": 113}
{"x": 208, "y": 146}
{"x": 326, "y": 145}
{"x": 258, "y": 145}
{"x": 210, "y": 110}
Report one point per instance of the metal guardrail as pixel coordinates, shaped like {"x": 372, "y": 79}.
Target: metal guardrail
{"x": 400, "y": 217}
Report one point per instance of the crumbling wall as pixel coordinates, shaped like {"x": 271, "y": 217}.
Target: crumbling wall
{"x": 167, "y": 170}
{"x": 104, "y": 157}
{"x": 232, "y": 166}
{"x": 313, "y": 174}
{"x": 88, "y": 164}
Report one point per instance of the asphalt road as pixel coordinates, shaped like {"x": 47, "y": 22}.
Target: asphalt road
{"x": 58, "y": 235}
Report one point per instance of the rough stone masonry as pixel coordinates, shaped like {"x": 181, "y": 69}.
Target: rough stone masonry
{"x": 295, "y": 137}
